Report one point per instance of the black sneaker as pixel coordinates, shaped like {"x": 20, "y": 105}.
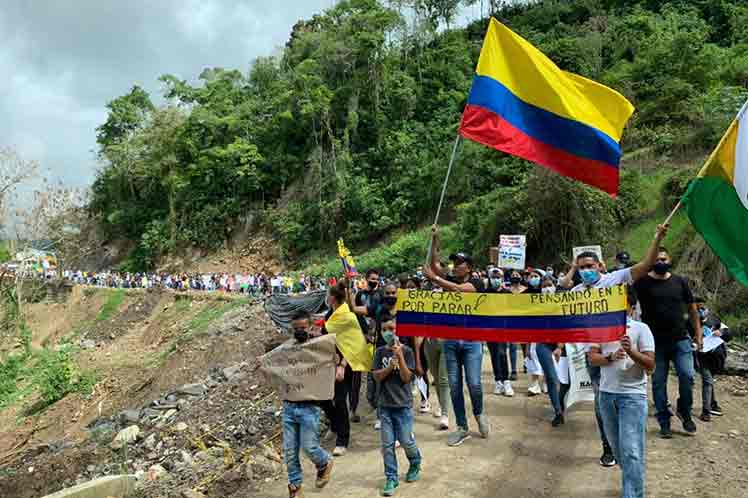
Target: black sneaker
{"x": 607, "y": 460}
{"x": 557, "y": 420}
{"x": 688, "y": 424}
{"x": 716, "y": 410}
{"x": 666, "y": 433}
{"x": 356, "y": 419}
{"x": 513, "y": 377}
{"x": 705, "y": 417}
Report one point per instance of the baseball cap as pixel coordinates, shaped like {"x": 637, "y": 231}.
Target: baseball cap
{"x": 461, "y": 257}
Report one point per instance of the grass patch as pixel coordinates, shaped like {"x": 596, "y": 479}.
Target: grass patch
{"x": 111, "y": 305}
{"x": 639, "y": 237}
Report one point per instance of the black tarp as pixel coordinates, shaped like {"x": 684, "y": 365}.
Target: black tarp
{"x": 281, "y": 307}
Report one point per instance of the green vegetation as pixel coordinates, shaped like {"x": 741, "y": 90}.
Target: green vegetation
{"x": 114, "y": 300}
{"x": 57, "y": 375}
{"x": 346, "y": 133}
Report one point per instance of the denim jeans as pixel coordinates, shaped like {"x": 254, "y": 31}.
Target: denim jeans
{"x": 594, "y": 373}
{"x": 545, "y": 357}
{"x": 301, "y": 431}
{"x": 681, "y": 355}
{"x": 468, "y": 355}
{"x": 397, "y": 425}
{"x": 513, "y": 357}
{"x": 499, "y": 362}
{"x": 625, "y": 419}
{"x": 707, "y": 390}
{"x": 438, "y": 366}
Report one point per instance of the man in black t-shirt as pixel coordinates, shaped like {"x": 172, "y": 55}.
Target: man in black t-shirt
{"x": 667, "y": 303}
{"x": 460, "y": 354}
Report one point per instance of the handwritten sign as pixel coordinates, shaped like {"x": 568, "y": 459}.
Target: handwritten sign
{"x": 592, "y": 315}
{"x": 302, "y": 372}
{"x": 579, "y": 250}
{"x": 512, "y": 249}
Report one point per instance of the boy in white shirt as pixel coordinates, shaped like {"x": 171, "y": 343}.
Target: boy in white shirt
{"x": 624, "y": 366}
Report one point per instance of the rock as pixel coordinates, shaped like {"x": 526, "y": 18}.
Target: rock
{"x": 191, "y": 493}
{"x": 182, "y": 404}
{"x": 186, "y": 457}
{"x": 734, "y": 433}
{"x": 180, "y": 427}
{"x": 88, "y": 344}
{"x": 193, "y": 389}
{"x": 159, "y": 405}
{"x": 150, "y": 442}
{"x": 245, "y": 470}
{"x": 168, "y": 414}
{"x": 171, "y": 398}
{"x": 230, "y": 373}
{"x": 129, "y": 416}
{"x": 270, "y": 453}
{"x": 90, "y": 469}
{"x": 261, "y": 466}
{"x": 139, "y": 475}
{"x": 212, "y": 384}
{"x": 155, "y": 473}
{"x": 253, "y": 430}
{"x": 150, "y": 413}
{"x": 125, "y": 437}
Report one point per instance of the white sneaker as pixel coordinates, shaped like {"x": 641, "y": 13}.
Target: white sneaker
{"x": 437, "y": 411}
{"x": 339, "y": 451}
{"x": 534, "y": 389}
{"x": 544, "y": 388}
{"x": 377, "y": 425}
{"x": 425, "y": 407}
{"x": 498, "y": 388}
{"x": 508, "y": 391}
{"x": 443, "y": 423}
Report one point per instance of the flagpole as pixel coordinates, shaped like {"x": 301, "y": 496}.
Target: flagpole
{"x": 455, "y": 149}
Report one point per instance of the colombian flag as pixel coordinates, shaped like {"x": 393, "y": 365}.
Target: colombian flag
{"x": 521, "y": 103}
{"x": 717, "y": 200}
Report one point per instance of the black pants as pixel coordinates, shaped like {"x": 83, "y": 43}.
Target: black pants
{"x": 337, "y": 410}
{"x": 355, "y": 391}
{"x": 499, "y": 361}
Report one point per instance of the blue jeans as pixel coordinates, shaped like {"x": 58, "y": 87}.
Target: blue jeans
{"x": 468, "y": 355}
{"x": 397, "y": 425}
{"x": 625, "y": 419}
{"x": 681, "y": 355}
{"x": 513, "y": 357}
{"x": 301, "y": 431}
{"x": 594, "y": 373}
{"x": 545, "y": 357}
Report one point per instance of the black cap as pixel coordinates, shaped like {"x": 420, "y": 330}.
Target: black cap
{"x": 623, "y": 256}
{"x": 461, "y": 257}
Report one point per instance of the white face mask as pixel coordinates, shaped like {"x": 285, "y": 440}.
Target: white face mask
{"x": 548, "y": 290}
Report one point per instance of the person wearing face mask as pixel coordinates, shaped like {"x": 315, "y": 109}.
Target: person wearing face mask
{"x": 590, "y": 270}
{"x": 623, "y": 260}
{"x": 667, "y": 303}
{"x": 498, "y": 350}
{"x": 711, "y": 361}
{"x": 394, "y": 365}
{"x": 301, "y": 426}
{"x": 460, "y": 355}
{"x": 624, "y": 365}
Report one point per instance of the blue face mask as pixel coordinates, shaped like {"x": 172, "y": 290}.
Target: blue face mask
{"x": 389, "y": 337}
{"x": 589, "y": 277}
{"x": 534, "y": 281}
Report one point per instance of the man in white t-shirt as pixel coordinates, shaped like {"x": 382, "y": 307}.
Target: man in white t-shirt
{"x": 624, "y": 366}
{"x": 591, "y": 271}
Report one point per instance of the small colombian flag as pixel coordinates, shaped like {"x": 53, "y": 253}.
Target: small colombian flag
{"x": 521, "y": 103}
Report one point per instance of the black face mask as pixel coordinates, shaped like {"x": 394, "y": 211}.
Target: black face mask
{"x": 661, "y": 268}
{"x": 301, "y": 335}
{"x": 372, "y": 285}
{"x": 390, "y": 300}
{"x": 515, "y": 280}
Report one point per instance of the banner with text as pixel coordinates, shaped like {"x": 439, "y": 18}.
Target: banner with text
{"x": 590, "y": 316}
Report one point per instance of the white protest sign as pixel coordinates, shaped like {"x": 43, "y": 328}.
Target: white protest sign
{"x": 580, "y": 388}
{"x": 579, "y": 250}
{"x": 302, "y": 371}
{"x": 512, "y": 249}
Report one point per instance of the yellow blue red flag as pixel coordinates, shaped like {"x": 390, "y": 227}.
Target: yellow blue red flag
{"x": 349, "y": 266}
{"x": 523, "y": 104}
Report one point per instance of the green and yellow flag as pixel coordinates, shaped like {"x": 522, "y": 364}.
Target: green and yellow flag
{"x": 717, "y": 200}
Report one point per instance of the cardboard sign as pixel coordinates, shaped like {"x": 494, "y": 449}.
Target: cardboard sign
{"x": 302, "y": 372}
{"x": 512, "y": 249}
{"x": 579, "y": 250}
{"x": 580, "y": 388}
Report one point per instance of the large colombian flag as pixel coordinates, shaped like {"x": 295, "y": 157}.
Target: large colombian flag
{"x": 521, "y": 103}
{"x": 717, "y": 200}
{"x": 595, "y": 315}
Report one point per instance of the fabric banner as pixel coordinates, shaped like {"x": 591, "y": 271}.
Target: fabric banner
{"x": 350, "y": 339}
{"x": 302, "y": 372}
{"x": 281, "y": 307}
{"x": 590, "y": 316}
{"x": 580, "y": 388}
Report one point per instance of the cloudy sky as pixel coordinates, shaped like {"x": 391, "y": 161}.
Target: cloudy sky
{"x": 63, "y": 60}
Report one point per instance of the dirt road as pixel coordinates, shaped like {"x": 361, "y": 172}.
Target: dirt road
{"x": 526, "y": 458}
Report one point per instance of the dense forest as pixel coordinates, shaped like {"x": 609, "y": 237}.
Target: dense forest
{"x": 347, "y": 131}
